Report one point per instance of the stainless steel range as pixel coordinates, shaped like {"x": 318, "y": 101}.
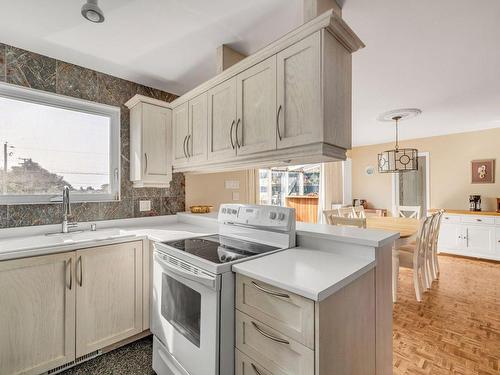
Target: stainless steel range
{"x": 193, "y": 288}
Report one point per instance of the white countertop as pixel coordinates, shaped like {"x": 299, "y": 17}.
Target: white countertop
{"x": 26, "y": 242}
{"x": 314, "y": 274}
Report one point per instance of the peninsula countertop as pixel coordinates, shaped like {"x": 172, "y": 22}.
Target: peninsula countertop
{"x": 310, "y": 273}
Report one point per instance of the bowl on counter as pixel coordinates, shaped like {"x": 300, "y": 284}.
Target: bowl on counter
{"x": 200, "y": 209}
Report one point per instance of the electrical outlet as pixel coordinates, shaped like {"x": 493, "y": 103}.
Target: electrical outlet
{"x": 144, "y": 206}
{"x": 236, "y": 195}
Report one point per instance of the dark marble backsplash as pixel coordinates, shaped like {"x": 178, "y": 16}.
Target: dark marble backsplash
{"x": 40, "y": 72}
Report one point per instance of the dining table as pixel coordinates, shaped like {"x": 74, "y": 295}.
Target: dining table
{"x": 405, "y": 226}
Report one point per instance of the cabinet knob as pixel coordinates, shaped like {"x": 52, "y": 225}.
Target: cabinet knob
{"x": 478, "y": 220}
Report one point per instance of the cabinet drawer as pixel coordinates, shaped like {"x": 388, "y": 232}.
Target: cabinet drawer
{"x": 286, "y": 312}
{"x": 497, "y": 240}
{"x": 247, "y": 366}
{"x": 270, "y": 348}
{"x": 451, "y": 218}
{"x": 472, "y": 219}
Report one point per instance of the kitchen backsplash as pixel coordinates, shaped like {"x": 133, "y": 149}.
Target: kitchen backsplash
{"x": 40, "y": 72}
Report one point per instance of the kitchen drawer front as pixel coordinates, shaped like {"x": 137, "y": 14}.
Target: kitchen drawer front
{"x": 497, "y": 220}
{"x": 497, "y": 240}
{"x": 472, "y": 219}
{"x": 276, "y": 352}
{"x": 292, "y": 316}
{"x": 451, "y": 218}
{"x": 247, "y": 366}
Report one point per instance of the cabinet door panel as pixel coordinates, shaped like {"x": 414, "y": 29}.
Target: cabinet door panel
{"x": 481, "y": 239}
{"x": 180, "y": 129}
{"x": 196, "y": 144}
{"x": 256, "y": 103}
{"x": 108, "y": 295}
{"x": 37, "y": 313}
{"x": 299, "y": 93}
{"x": 222, "y": 120}
{"x": 155, "y": 134}
{"x": 450, "y": 237}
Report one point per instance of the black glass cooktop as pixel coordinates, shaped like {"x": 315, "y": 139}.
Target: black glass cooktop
{"x": 219, "y": 249}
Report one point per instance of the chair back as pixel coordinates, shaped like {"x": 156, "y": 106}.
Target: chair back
{"x": 347, "y": 221}
{"x": 422, "y": 243}
{"x": 346, "y": 212}
{"x": 410, "y": 211}
{"x": 359, "y": 212}
{"x": 435, "y": 232}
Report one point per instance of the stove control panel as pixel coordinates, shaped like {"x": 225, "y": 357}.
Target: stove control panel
{"x": 258, "y": 216}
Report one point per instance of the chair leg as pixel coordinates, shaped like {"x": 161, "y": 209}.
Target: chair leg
{"x": 425, "y": 275}
{"x": 417, "y": 284}
{"x": 395, "y": 276}
{"x": 436, "y": 265}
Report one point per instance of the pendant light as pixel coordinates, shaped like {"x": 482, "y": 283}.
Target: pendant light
{"x": 398, "y": 159}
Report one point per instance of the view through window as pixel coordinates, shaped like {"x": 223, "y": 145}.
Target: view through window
{"x": 45, "y": 148}
{"x": 294, "y": 186}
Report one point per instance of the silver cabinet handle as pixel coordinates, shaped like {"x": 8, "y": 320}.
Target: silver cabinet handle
{"x": 69, "y": 262}
{"x": 146, "y": 163}
{"x": 278, "y": 122}
{"x": 268, "y": 291}
{"x": 255, "y": 369}
{"x": 236, "y": 133}
{"x": 269, "y": 336}
{"x": 231, "y": 135}
{"x": 184, "y": 146}
{"x": 187, "y": 145}
{"x": 81, "y": 270}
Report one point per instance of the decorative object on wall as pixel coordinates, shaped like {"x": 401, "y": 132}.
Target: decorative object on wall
{"x": 498, "y": 205}
{"x": 370, "y": 170}
{"x": 483, "y": 171}
{"x": 398, "y": 159}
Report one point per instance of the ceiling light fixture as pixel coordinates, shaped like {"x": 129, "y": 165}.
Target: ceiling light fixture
{"x": 398, "y": 159}
{"x": 92, "y": 12}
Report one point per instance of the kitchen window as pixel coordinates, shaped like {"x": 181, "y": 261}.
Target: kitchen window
{"x": 49, "y": 141}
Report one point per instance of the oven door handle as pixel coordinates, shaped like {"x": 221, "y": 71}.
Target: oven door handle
{"x": 211, "y": 282}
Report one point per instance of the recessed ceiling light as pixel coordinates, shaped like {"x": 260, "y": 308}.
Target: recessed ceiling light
{"x": 92, "y": 12}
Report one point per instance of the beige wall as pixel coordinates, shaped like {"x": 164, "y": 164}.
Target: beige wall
{"x": 210, "y": 188}
{"x": 450, "y": 170}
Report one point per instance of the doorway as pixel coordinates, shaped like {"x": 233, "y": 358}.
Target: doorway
{"x": 412, "y": 188}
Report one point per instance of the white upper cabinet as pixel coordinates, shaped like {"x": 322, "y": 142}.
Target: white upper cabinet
{"x": 180, "y": 128}
{"x": 196, "y": 143}
{"x": 288, "y": 103}
{"x": 256, "y": 108}
{"x": 222, "y": 120}
{"x": 150, "y": 135}
{"x": 299, "y": 93}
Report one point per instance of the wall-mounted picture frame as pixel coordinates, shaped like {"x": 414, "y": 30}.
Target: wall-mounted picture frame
{"x": 483, "y": 171}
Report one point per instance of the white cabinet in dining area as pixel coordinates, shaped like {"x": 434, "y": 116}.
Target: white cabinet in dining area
{"x": 470, "y": 235}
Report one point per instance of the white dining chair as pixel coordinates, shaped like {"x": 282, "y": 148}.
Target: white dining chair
{"x": 410, "y": 211}
{"x": 359, "y": 212}
{"x": 415, "y": 259}
{"x": 332, "y": 218}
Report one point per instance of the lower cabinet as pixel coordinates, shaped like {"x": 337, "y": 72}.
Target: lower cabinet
{"x": 37, "y": 313}
{"x": 108, "y": 295}
{"x": 282, "y": 333}
{"x": 469, "y": 236}
{"x": 57, "y": 308}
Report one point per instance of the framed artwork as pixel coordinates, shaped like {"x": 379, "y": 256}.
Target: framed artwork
{"x": 483, "y": 171}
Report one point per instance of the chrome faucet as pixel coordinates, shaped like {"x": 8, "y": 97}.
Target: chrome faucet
{"x": 66, "y": 211}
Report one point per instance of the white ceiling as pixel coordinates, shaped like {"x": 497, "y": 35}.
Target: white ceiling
{"x": 440, "y": 56}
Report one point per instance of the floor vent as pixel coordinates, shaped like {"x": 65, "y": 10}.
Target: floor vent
{"x": 81, "y": 359}
{"x": 60, "y": 368}
{"x": 88, "y": 356}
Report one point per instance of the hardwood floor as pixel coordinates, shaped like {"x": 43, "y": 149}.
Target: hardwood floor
{"x": 456, "y": 327}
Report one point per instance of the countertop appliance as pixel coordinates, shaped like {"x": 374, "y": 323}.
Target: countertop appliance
{"x": 474, "y": 202}
{"x": 192, "y": 316}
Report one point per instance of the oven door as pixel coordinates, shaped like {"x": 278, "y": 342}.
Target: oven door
{"x": 185, "y": 313}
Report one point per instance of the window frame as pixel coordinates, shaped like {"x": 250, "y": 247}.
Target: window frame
{"x": 27, "y": 94}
